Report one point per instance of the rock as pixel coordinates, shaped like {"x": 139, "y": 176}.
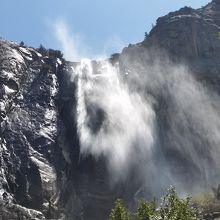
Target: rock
{"x": 28, "y": 127}
{"x": 191, "y": 36}
{"x": 216, "y": 215}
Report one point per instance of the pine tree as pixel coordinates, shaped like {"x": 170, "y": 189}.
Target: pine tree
{"x": 119, "y": 212}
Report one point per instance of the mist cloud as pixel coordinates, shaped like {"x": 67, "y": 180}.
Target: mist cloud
{"x": 112, "y": 121}
{"x": 71, "y": 44}
{"x": 75, "y": 48}
{"x": 188, "y": 122}
{"x": 149, "y": 113}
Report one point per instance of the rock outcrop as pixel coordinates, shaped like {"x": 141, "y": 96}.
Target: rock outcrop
{"x": 28, "y": 130}
{"x": 191, "y": 36}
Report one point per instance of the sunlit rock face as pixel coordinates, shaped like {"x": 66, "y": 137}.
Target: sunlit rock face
{"x": 191, "y": 36}
{"x": 28, "y": 131}
{"x": 76, "y": 136}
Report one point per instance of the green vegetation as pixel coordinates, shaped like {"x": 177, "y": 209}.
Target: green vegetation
{"x": 42, "y": 50}
{"x": 171, "y": 208}
{"x": 146, "y": 35}
{"x": 55, "y": 53}
{"x": 50, "y": 52}
{"x": 119, "y": 212}
{"x": 147, "y": 210}
{"x": 218, "y": 35}
{"x": 175, "y": 208}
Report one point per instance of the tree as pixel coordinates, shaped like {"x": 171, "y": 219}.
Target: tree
{"x": 42, "y": 50}
{"x": 119, "y": 212}
{"x": 172, "y": 208}
{"x": 145, "y": 35}
{"x": 22, "y": 44}
{"x": 175, "y": 208}
{"x": 146, "y": 210}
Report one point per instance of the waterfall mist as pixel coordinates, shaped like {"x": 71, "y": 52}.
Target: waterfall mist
{"x": 146, "y": 113}
{"x": 120, "y": 117}
{"x": 112, "y": 121}
{"x": 187, "y": 121}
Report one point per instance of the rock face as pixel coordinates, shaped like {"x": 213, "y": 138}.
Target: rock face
{"x": 42, "y": 174}
{"x": 28, "y": 129}
{"x": 192, "y": 36}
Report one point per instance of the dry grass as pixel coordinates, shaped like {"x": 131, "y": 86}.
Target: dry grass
{"x": 207, "y": 202}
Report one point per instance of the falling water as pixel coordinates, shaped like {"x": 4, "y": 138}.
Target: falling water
{"x": 112, "y": 121}
{"x": 157, "y": 118}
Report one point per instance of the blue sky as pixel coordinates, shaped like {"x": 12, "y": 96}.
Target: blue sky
{"x": 102, "y": 26}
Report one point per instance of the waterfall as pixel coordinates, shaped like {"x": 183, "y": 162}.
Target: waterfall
{"x": 112, "y": 121}
{"x": 156, "y": 119}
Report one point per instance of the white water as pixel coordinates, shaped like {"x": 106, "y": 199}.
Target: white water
{"x": 124, "y": 120}
{"x": 118, "y": 120}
